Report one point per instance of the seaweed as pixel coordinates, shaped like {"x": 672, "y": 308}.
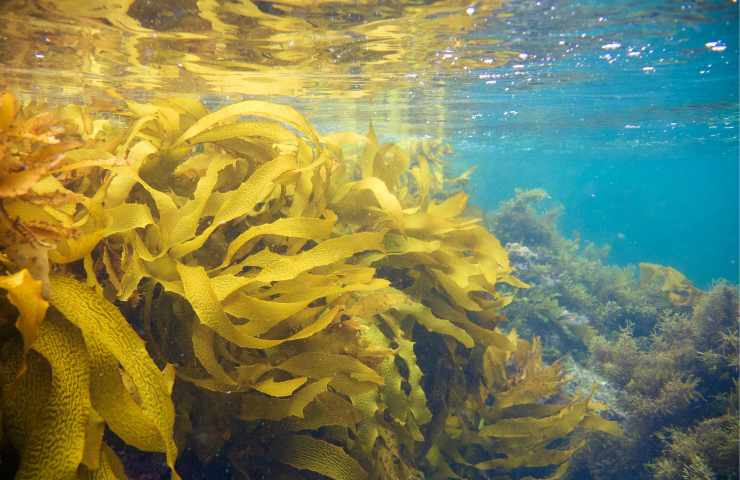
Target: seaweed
{"x": 707, "y": 450}
{"x": 298, "y": 296}
{"x": 517, "y": 220}
{"x": 575, "y": 293}
{"x": 664, "y": 351}
{"x": 682, "y": 367}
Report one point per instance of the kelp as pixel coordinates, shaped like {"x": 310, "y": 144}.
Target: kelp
{"x": 671, "y": 282}
{"x": 511, "y": 428}
{"x": 291, "y": 288}
{"x": 24, "y": 292}
{"x": 92, "y": 336}
{"x": 41, "y": 184}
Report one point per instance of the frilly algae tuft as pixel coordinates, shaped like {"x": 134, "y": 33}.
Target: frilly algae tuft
{"x": 307, "y": 302}
{"x": 665, "y": 351}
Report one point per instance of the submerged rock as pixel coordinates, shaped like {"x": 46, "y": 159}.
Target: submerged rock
{"x": 584, "y": 380}
{"x": 520, "y": 256}
{"x": 573, "y": 318}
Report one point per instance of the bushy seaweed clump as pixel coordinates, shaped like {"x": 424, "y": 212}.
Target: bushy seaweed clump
{"x": 573, "y": 293}
{"x": 679, "y": 388}
{"x": 708, "y": 450}
{"x": 309, "y": 305}
{"x": 666, "y": 350}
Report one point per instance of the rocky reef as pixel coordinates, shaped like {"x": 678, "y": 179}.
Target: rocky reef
{"x": 662, "y": 352}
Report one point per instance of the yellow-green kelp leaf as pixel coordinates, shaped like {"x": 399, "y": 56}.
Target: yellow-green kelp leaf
{"x": 257, "y": 406}
{"x": 199, "y": 292}
{"x": 285, "y": 267}
{"x": 8, "y": 109}
{"x": 274, "y": 132}
{"x": 594, "y": 422}
{"x": 308, "y": 453}
{"x": 280, "y": 389}
{"x": 121, "y": 218}
{"x": 674, "y": 284}
{"x": 25, "y": 293}
{"x": 115, "y": 403}
{"x": 236, "y": 202}
{"x": 327, "y": 409}
{"x": 320, "y": 364}
{"x": 109, "y": 467}
{"x": 54, "y": 438}
{"x": 103, "y": 327}
{"x": 538, "y": 429}
{"x": 252, "y": 108}
{"x": 431, "y": 322}
{"x": 298, "y": 227}
{"x": 533, "y": 458}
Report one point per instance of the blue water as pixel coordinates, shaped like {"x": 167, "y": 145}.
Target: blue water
{"x": 626, "y": 116}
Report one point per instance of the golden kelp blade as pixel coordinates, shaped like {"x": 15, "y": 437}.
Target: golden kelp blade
{"x": 51, "y": 441}
{"x": 308, "y": 453}
{"x": 109, "y": 467}
{"x": 25, "y": 293}
{"x": 199, "y": 292}
{"x": 104, "y": 327}
{"x": 240, "y": 201}
{"x": 677, "y": 288}
{"x": 273, "y": 111}
{"x": 8, "y": 109}
{"x": 259, "y": 407}
{"x": 299, "y": 227}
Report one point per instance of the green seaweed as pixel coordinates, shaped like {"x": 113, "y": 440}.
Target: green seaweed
{"x": 706, "y": 450}
{"x": 664, "y": 351}
{"x": 574, "y": 293}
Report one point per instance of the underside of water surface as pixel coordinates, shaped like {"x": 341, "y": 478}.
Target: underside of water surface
{"x": 307, "y": 239}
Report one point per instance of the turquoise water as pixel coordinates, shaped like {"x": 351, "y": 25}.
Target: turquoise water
{"x": 628, "y": 116}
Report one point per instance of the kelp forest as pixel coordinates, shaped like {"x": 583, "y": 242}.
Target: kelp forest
{"x": 197, "y": 290}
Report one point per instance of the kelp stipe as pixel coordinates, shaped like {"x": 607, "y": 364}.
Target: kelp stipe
{"x": 314, "y": 288}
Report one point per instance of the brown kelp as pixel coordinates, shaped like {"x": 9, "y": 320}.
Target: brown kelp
{"x": 307, "y": 303}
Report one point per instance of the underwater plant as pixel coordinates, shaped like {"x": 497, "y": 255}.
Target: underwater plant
{"x": 574, "y": 294}
{"x": 664, "y": 352}
{"x": 519, "y": 221}
{"x": 707, "y": 450}
{"x": 245, "y": 290}
{"x": 678, "y": 390}
{"x": 62, "y": 379}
